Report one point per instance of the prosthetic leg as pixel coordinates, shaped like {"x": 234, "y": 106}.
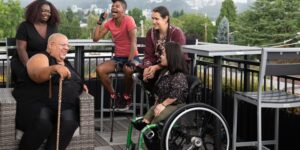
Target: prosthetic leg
{"x": 113, "y": 104}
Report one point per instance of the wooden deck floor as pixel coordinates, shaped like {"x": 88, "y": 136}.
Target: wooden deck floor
{"x": 102, "y": 139}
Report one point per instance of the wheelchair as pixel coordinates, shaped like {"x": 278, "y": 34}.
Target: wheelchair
{"x": 194, "y": 126}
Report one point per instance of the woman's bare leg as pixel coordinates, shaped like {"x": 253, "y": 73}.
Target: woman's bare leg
{"x": 102, "y": 71}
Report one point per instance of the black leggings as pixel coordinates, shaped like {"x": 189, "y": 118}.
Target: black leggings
{"x": 45, "y": 128}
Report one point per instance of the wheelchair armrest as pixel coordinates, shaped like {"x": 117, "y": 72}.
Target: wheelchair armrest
{"x": 137, "y": 118}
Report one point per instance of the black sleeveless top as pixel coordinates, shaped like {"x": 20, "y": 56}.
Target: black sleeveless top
{"x": 35, "y": 43}
{"x": 30, "y": 91}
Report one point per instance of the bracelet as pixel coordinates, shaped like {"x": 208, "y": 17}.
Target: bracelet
{"x": 163, "y": 104}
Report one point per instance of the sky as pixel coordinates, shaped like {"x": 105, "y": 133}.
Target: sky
{"x": 56, "y": 2}
{"x": 240, "y": 1}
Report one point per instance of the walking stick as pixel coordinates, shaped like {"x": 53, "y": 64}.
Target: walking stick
{"x": 58, "y": 113}
{"x": 113, "y": 105}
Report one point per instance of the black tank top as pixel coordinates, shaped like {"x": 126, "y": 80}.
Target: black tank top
{"x": 30, "y": 91}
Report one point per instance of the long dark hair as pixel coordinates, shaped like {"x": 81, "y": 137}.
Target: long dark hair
{"x": 33, "y": 12}
{"x": 164, "y": 12}
{"x": 175, "y": 58}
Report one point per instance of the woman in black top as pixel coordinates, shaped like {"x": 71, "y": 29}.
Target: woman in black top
{"x": 42, "y": 19}
{"x": 37, "y": 97}
{"x": 170, "y": 90}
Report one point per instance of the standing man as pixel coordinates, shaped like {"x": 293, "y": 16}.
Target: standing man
{"x": 123, "y": 30}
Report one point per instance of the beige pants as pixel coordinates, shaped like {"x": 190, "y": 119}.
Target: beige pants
{"x": 163, "y": 115}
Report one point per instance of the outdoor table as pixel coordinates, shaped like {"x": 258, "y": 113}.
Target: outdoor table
{"x": 217, "y": 51}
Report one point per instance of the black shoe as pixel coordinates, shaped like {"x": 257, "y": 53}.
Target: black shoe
{"x": 121, "y": 105}
{"x": 139, "y": 125}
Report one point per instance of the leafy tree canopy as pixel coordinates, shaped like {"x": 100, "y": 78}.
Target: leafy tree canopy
{"x": 137, "y": 15}
{"x": 228, "y": 10}
{"x": 195, "y": 26}
{"x": 11, "y": 16}
{"x": 268, "y": 22}
{"x": 177, "y": 14}
{"x": 223, "y": 33}
{"x": 70, "y": 25}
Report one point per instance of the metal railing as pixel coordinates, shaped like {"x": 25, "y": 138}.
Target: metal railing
{"x": 239, "y": 74}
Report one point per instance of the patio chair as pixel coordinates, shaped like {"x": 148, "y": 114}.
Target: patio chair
{"x": 83, "y": 137}
{"x": 10, "y": 51}
{"x": 274, "y": 62}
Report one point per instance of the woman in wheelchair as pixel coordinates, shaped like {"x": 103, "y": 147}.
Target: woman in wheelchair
{"x": 178, "y": 120}
{"x": 171, "y": 88}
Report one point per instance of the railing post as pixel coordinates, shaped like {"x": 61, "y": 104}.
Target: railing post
{"x": 246, "y": 74}
{"x": 79, "y": 60}
{"x": 217, "y": 85}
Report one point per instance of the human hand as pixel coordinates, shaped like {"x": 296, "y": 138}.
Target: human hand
{"x": 158, "y": 109}
{"x": 63, "y": 71}
{"x": 130, "y": 64}
{"x": 85, "y": 88}
{"x": 145, "y": 74}
{"x": 149, "y": 73}
{"x": 102, "y": 18}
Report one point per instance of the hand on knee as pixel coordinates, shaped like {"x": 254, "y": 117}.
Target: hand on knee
{"x": 127, "y": 70}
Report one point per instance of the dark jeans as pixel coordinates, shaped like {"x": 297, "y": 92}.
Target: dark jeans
{"x": 44, "y": 127}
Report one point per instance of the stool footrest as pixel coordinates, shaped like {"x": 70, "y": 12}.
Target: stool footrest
{"x": 254, "y": 143}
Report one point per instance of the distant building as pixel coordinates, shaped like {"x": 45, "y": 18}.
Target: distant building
{"x": 83, "y": 25}
{"x": 147, "y": 13}
{"x": 156, "y": 1}
{"x": 75, "y": 9}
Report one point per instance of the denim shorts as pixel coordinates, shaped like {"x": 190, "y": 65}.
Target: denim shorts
{"x": 122, "y": 60}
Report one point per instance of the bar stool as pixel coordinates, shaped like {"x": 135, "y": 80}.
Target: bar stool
{"x": 132, "y": 109}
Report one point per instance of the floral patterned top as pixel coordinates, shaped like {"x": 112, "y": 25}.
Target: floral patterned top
{"x": 172, "y": 86}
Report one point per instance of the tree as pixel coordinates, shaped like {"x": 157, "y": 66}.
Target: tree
{"x": 228, "y": 10}
{"x": 195, "y": 26}
{"x": 70, "y": 25}
{"x": 11, "y": 16}
{"x": 268, "y": 22}
{"x": 92, "y": 21}
{"x": 177, "y": 14}
{"x": 223, "y": 31}
{"x": 137, "y": 15}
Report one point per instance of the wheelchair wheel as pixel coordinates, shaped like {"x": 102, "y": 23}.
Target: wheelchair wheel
{"x": 195, "y": 127}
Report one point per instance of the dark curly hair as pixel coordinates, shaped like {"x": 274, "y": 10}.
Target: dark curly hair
{"x": 33, "y": 12}
{"x": 121, "y": 1}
